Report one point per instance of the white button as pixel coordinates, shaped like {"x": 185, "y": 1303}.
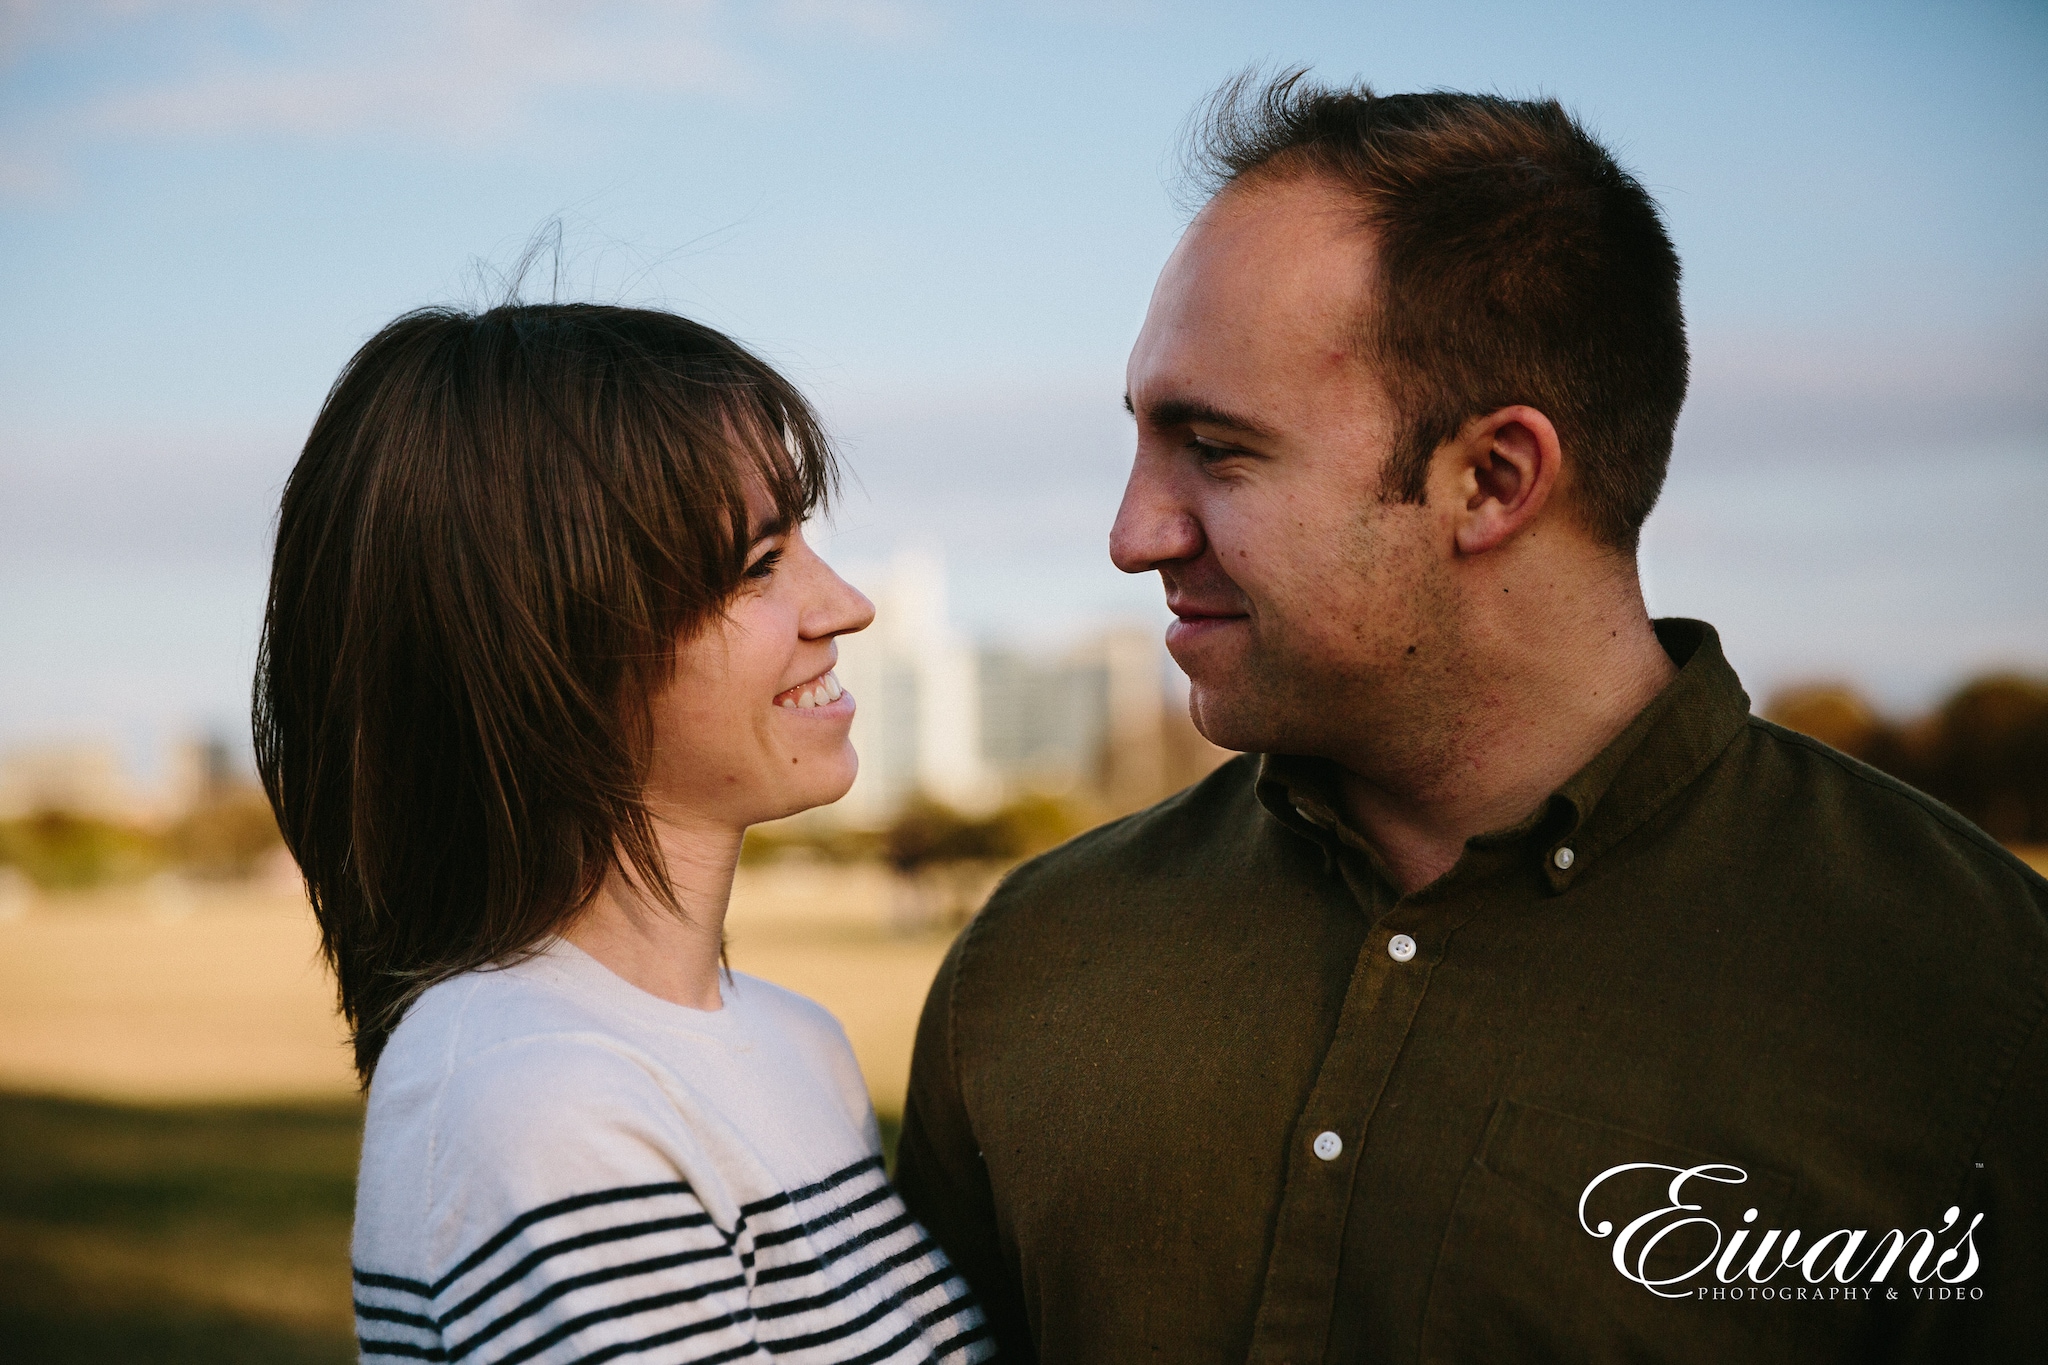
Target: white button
{"x": 1400, "y": 947}
{"x": 1564, "y": 858}
{"x": 1329, "y": 1146}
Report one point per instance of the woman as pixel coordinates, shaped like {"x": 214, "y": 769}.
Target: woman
{"x": 543, "y": 639}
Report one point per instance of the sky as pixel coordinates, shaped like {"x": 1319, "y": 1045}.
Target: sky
{"x": 944, "y": 220}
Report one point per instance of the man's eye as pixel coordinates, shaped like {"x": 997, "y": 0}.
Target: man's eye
{"x": 1209, "y": 451}
{"x": 765, "y": 565}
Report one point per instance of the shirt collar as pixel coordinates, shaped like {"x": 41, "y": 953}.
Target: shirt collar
{"x": 1667, "y": 745}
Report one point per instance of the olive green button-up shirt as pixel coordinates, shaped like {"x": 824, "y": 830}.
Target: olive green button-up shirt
{"x": 1714, "y": 1057}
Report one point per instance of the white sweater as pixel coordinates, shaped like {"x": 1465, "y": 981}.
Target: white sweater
{"x": 560, "y": 1167}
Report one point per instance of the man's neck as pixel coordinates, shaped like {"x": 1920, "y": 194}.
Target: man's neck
{"x": 1541, "y": 707}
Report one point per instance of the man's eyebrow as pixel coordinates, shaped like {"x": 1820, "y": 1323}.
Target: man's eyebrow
{"x": 1188, "y": 412}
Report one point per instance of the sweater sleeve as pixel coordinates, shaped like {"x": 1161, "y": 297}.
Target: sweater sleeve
{"x": 558, "y": 1225}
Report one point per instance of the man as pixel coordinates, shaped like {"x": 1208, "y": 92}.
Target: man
{"x": 1517, "y": 996}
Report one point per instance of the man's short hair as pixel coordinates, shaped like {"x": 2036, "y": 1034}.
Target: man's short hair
{"x": 1518, "y": 264}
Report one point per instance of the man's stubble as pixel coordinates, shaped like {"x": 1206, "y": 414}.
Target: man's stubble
{"x": 1371, "y": 674}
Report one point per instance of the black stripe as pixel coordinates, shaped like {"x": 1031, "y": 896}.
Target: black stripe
{"x": 874, "y": 1314}
{"x": 554, "y": 1210}
{"x": 613, "y": 1352}
{"x": 372, "y": 1280}
{"x": 960, "y": 1341}
{"x": 840, "y": 1251}
{"x": 571, "y": 1326}
{"x": 583, "y": 1281}
{"x": 830, "y": 1182}
{"x": 376, "y": 1314}
{"x": 951, "y": 1308}
{"x": 839, "y": 1291}
{"x": 887, "y": 1348}
{"x": 879, "y": 1194}
{"x": 790, "y": 1198}
{"x": 928, "y": 1320}
{"x": 882, "y": 1308}
{"x": 598, "y": 1237}
{"x": 370, "y": 1346}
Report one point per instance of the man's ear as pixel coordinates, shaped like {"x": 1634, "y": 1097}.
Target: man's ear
{"x": 1504, "y": 467}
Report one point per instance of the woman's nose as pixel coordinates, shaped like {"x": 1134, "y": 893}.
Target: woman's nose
{"x": 859, "y": 611}
{"x": 839, "y": 608}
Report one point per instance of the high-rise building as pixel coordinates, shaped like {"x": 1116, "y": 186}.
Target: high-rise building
{"x": 972, "y": 727}
{"x": 913, "y": 677}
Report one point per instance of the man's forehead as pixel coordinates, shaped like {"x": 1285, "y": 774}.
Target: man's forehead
{"x": 1265, "y": 291}
{"x": 1272, "y": 234}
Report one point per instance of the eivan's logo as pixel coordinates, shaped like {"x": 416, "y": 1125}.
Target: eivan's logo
{"x": 1679, "y": 1229}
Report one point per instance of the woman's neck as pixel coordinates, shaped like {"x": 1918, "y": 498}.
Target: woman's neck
{"x": 676, "y": 957}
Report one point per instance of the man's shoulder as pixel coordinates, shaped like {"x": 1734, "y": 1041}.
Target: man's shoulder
{"x": 1925, "y": 902}
{"x": 1195, "y": 824}
{"x": 1844, "y": 809}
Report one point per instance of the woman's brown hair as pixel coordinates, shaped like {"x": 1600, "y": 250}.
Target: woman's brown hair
{"x": 499, "y": 530}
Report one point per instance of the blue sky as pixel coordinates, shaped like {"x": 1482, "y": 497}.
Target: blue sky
{"x": 944, "y": 220}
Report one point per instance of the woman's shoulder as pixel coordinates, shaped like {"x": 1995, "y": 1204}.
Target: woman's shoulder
{"x": 487, "y": 1058}
{"x": 470, "y": 1126}
{"x": 503, "y": 1061}
{"x": 524, "y": 1057}
{"x": 816, "y": 1036}
{"x": 786, "y": 1009}
{"x": 509, "y": 1033}
{"x": 487, "y": 1005}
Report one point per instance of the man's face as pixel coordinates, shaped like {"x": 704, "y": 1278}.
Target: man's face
{"x": 1308, "y": 610}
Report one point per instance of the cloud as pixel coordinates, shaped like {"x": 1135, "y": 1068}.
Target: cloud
{"x": 459, "y": 70}
{"x": 33, "y": 26}
{"x": 31, "y": 179}
{"x": 1824, "y": 395}
{"x": 452, "y": 71}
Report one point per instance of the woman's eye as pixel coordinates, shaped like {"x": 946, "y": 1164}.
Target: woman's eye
{"x": 765, "y": 565}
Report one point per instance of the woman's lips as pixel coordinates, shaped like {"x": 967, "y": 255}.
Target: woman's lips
{"x": 820, "y": 693}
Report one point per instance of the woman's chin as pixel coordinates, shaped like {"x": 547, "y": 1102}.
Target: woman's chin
{"x": 812, "y": 783}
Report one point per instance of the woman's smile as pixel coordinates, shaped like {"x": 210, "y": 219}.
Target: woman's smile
{"x": 821, "y": 694}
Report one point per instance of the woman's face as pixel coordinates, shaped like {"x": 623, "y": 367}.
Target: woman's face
{"x": 753, "y": 726}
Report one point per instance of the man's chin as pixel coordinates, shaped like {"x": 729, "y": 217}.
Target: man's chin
{"x": 1214, "y": 648}
{"x": 1230, "y": 717}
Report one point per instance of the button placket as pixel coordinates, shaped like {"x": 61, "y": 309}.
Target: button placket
{"x": 1301, "y": 1274}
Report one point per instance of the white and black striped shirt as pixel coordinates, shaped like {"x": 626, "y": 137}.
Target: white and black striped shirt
{"x": 559, "y": 1167}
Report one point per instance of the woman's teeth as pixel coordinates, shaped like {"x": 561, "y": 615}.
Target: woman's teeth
{"x": 820, "y": 691}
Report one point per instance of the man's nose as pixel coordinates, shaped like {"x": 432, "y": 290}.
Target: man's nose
{"x": 1153, "y": 525}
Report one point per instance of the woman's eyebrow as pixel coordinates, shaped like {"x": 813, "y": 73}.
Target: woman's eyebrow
{"x": 768, "y": 530}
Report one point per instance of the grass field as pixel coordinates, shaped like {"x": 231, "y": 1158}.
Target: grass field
{"x": 132, "y": 994}
{"x": 179, "y": 1125}
{"x": 179, "y": 1129}
{"x": 178, "y": 1234}
{"x": 175, "y": 1234}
